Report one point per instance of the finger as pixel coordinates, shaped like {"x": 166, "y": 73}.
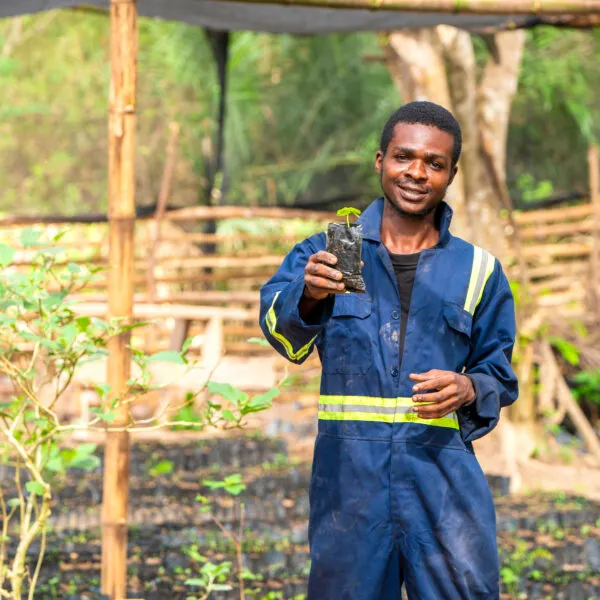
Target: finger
{"x": 325, "y": 257}
{"x": 424, "y": 376}
{"x": 436, "y": 411}
{"x": 437, "y": 382}
{"x": 362, "y": 264}
{"x": 322, "y": 284}
{"x": 437, "y": 397}
{"x": 321, "y": 270}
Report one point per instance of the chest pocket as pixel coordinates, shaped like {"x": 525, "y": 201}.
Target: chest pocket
{"x": 458, "y": 324}
{"x": 347, "y": 341}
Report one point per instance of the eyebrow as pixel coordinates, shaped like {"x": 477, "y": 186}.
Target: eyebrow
{"x": 429, "y": 155}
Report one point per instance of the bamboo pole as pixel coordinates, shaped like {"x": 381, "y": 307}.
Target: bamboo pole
{"x": 121, "y": 218}
{"x": 594, "y": 174}
{"x": 479, "y": 7}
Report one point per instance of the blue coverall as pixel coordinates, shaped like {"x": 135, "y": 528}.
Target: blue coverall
{"x": 395, "y": 498}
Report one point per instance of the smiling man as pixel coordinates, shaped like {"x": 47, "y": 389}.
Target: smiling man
{"x": 413, "y": 371}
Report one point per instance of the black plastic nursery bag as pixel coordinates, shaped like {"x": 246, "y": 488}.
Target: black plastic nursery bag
{"x": 346, "y": 243}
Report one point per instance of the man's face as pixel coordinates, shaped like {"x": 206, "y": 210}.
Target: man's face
{"x": 416, "y": 169}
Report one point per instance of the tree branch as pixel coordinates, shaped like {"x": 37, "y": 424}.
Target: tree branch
{"x": 481, "y": 7}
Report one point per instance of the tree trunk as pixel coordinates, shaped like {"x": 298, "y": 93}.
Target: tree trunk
{"x": 439, "y": 65}
{"x": 416, "y": 62}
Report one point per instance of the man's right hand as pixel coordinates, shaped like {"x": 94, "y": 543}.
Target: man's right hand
{"x": 321, "y": 278}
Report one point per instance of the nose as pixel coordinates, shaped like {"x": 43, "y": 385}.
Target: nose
{"x": 416, "y": 170}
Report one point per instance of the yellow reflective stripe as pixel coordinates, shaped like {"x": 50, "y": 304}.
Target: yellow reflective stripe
{"x": 366, "y": 401}
{"x": 350, "y": 404}
{"x": 482, "y": 268}
{"x": 475, "y": 267}
{"x": 489, "y": 270}
{"x": 271, "y": 321}
{"x": 356, "y": 416}
{"x": 450, "y": 422}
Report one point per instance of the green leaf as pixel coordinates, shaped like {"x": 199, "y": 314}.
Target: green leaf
{"x": 6, "y": 255}
{"x": 258, "y": 341}
{"x": 228, "y": 415}
{"x": 85, "y": 449}
{"x": 56, "y": 464}
{"x": 102, "y": 389}
{"x": 30, "y": 237}
{"x": 53, "y": 300}
{"x": 87, "y": 463}
{"x": 508, "y": 576}
{"x": 220, "y": 587}
{"x": 68, "y": 333}
{"x": 73, "y": 268}
{"x": 227, "y": 391}
{"x": 186, "y": 345}
{"x": 195, "y": 582}
{"x": 107, "y": 417}
{"x": 83, "y": 323}
{"x": 164, "y": 467}
{"x": 266, "y": 397}
{"x": 568, "y": 351}
{"x": 168, "y": 356}
{"x": 13, "y": 502}
{"x": 35, "y": 487}
{"x": 348, "y": 210}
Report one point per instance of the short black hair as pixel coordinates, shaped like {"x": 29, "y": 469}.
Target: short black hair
{"x": 424, "y": 113}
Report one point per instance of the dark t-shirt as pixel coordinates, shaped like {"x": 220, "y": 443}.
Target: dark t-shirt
{"x": 405, "y": 268}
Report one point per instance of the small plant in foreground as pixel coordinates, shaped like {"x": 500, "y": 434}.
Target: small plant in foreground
{"x": 43, "y": 341}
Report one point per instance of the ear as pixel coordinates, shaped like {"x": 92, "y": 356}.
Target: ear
{"x": 378, "y": 160}
{"x": 453, "y": 173}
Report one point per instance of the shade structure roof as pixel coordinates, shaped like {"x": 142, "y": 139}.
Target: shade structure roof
{"x": 244, "y": 16}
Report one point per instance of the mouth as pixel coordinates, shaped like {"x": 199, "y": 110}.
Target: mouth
{"x": 413, "y": 193}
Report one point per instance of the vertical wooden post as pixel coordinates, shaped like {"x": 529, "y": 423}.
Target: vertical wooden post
{"x": 121, "y": 217}
{"x": 594, "y": 174}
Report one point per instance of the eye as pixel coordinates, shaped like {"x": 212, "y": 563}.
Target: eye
{"x": 400, "y": 157}
{"x": 437, "y": 165}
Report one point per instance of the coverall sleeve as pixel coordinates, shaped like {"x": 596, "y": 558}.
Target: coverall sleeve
{"x": 489, "y": 363}
{"x": 280, "y": 319}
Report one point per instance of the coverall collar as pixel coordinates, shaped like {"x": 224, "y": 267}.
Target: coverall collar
{"x": 371, "y": 221}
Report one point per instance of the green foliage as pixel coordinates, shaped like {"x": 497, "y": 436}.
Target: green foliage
{"x": 567, "y": 350}
{"x": 162, "y": 467}
{"x": 588, "y": 385}
{"x": 553, "y": 113}
{"x": 43, "y": 342}
{"x": 347, "y": 211}
{"x": 305, "y": 112}
{"x": 232, "y": 484}
{"x": 210, "y": 579}
{"x": 518, "y": 564}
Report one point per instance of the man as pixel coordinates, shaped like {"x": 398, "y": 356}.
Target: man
{"x": 413, "y": 371}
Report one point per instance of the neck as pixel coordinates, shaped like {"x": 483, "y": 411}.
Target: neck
{"x": 404, "y": 234}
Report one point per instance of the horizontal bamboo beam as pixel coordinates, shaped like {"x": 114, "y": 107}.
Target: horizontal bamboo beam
{"x": 479, "y": 7}
{"x": 191, "y": 297}
{"x": 550, "y": 250}
{"x": 557, "y": 283}
{"x": 208, "y": 213}
{"x": 556, "y": 229}
{"x": 570, "y": 267}
{"x": 220, "y": 238}
{"x": 549, "y": 215}
{"x": 572, "y": 296}
{"x": 167, "y": 311}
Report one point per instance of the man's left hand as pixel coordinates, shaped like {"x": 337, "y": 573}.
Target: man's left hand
{"x": 444, "y": 390}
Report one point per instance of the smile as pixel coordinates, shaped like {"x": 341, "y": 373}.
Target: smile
{"x": 413, "y": 193}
